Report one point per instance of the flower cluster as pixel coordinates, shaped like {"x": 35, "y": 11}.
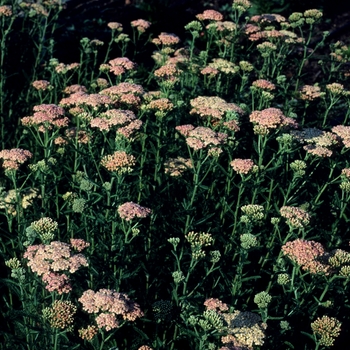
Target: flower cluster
{"x": 246, "y": 329}
{"x": 125, "y": 93}
{"x": 271, "y": 118}
{"x": 82, "y": 99}
{"x": 120, "y": 65}
{"x": 61, "y": 314}
{"x": 224, "y": 66}
{"x": 296, "y": 217}
{"x": 88, "y": 333}
{"x": 243, "y": 166}
{"x": 141, "y": 25}
{"x": 210, "y": 15}
{"x": 344, "y": 134}
{"x": 310, "y": 92}
{"x": 41, "y": 85}
{"x": 214, "y": 107}
{"x": 8, "y": 199}
{"x": 198, "y": 240}
{"x": 177, "y": 166}
{"x": 216, "y": 305}
{"x": 45, "y": 117}
{"x": 47, "y": 260}
{"x": 327, "y": 329}
{"x": 125, "y": 119}
{"x": 108, "y": 304}
{"x": 130, "y": 210}
{"x": 307, "y": 254}
{"x": 119, "y": 162}
{"x": 201, "y": 137}
{"x": 166, "y": 39}
{"x": 13, "y": 158}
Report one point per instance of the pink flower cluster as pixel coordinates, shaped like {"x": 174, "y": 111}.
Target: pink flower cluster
{"x": 201, "y": 137}
{"x": 344, "y": 133}
{"x": 307, "y": 254}
{"x": 47, "y": 260}
{"x": 119, "y": 162}
{"x": 215, "y": 304}
{"x": 124, "y": 118}
{"x": 210, "y": 15}
{"x": 166, "y": 39}
{"x": 125, "y": 93}
{"x": 81, "y": 99}
{"x": 120, "y": 65}
{"x": 45, "y": 117}
{"x": 13, "y": 158}
{"x": 131, "y": 210}
{"x": 109, "y": 304}
{"x": 141, "y": 25}
{"x": 242, "y": 166}
{"x": 272, "y": 118}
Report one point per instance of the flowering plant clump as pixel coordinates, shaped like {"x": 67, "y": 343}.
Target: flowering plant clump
{"x": 210, "y": 155}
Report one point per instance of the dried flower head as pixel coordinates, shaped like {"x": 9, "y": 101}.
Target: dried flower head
{"x": 119, "y": 162}
{"x": 177, "y": 166}
{"x": 310, "y": 92}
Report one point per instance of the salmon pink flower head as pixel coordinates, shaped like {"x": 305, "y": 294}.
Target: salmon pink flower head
{"x": 119, "y": 162}
{"x": 130, "y": 210}
{"x": 307, "y": 254}
{"x": 272, "y": 118}
{"x": 141, "y": 25}
{"x": 109, "y": 304}
{"x": 166, "y": 39}
{"x": 243, "y": 166}
{"x": 46, "y": 116}
{"x": 210, "y": 15}
{"x": 13, "y": 158}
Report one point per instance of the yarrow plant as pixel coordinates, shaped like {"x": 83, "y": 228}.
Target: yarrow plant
{"x": 143, "y": 168}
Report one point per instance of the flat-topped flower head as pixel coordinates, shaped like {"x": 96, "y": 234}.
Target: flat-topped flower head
{"x": 166, "y": 39}
{"x": 115, "y": 26}
{"x": 310, "y": 92}
{"x": 119, "y": 162}
{"x": 210, "y": 15}
{"x": 272, "y": 118}
{"x": 130, "y": 210}
{"x": 141, "y": 25}
{"x": 214, "y": 107}
{"x": 307, "y": 254}
{"x": 109, "y": 302}
{"x": 13, "y": 158}
{"x": 327, "y": 329}
{"x": 6, "y": 11}
{"x": 45, "y": 117}
{"x": 41, "y": 85}
{"x": 264, "y": 84}
{"x": 202, "y": 137}
{"x": 296, "y": 217}
{"x": 242, "y": 166}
